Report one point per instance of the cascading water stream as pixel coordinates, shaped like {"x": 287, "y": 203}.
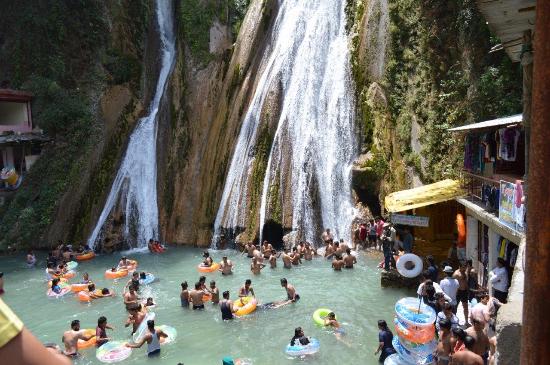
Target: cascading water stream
{"x": 315, "y": 131}
{"x": 136, "y": 179}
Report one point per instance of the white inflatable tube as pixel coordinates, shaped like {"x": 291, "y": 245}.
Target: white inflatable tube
{"x": 409, "y": 265}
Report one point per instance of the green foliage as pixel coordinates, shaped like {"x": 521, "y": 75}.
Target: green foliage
{"x": 122, "y": 67}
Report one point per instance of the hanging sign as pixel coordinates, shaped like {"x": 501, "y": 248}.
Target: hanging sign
{"x": 410, "y": 220}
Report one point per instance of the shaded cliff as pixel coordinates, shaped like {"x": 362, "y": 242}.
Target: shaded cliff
{"x": 84, "y": 64}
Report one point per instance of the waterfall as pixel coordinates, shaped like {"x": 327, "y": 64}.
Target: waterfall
{"x": 135, "y": 184}
{"x": 314, "y": 142}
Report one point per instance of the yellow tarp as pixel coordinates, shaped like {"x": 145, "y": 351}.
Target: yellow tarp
{"x": 425, "y": 195}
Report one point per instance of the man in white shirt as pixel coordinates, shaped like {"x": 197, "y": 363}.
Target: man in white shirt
{"x": 499, "y": 279}
{"x": 450, "y": 285}
{"x": 426, "y": 278}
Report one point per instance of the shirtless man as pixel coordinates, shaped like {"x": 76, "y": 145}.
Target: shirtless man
{"x": 273, "y": 259}
{"x": 67, "y": 254}
{"x": 215, "y": 292}
{"x": 329, "y": 250}
{"x": 467, "y": 356}
{"x": 258, "y": 255}
{"x": 196, "y": 296}
{"x": 477, "y": 331}
{"x": 123, "y": 263}
{"x": 338, "y": 251}
{"x": 135, "y": 317}
{"x": 130, "y": 296}
{"x": 255, "y": 266}
{"x": 202, "y": 281}
{"x": 327, "y": 236}
{"x": 444, "y": 346}
{"x": 71, "y": 337}
{"x": 226, "y": 266}
{"x": 287, "y": 260}
{"x": 337, "y": 263}
{"x": 267, "y": 248}
{"x": 290, "y": 291}
{"x": 246, "y": 289}
{"x": 343, "y": 245}
{"x": 295, "y": 257}
{"x": 184, "y": 295}
{"x": 308, "y": 252}
{"x": 349, "y": 260}
{"x": 462, "y": 295}
{"x": 249, "y": 249}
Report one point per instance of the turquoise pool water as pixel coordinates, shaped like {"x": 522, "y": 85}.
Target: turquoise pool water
{"x": 203, "y": 338}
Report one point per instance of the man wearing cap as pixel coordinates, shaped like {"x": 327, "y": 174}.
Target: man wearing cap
{"x": 450, "y": 285}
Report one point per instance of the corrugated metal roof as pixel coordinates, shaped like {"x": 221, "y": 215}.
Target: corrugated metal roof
{"x": 508, "y": 19}
{"x": 422, "y": 196}
{"x": 514, "y": 119}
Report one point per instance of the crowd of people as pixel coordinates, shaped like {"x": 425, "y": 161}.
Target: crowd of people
{"x": 443, "y": 288}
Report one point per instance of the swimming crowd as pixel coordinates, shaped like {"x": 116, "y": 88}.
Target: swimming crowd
{"x": 457, "y": 344}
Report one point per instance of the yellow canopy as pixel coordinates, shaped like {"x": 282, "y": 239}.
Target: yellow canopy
{"x": 425, "y": 195}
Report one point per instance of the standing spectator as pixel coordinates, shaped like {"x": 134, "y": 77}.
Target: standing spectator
{"x": 446, "y": 313}
{"x": 363, "y": 234}
{"x": 432, "y": 268}
{"x": 372, "y": 233}
{"x": 449, "y": 285}
{"x": 499, "y": 278}
{"x": 389, "y": 261}
{"x": 379, "y": 231}
{"x": 356, "y": 237}
{"x": 407, "y": 240}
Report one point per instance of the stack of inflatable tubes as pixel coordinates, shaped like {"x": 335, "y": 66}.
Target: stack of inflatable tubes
{"x": 415, "y": 333}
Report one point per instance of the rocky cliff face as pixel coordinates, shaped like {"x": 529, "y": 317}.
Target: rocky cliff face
{"x": 208, "y": 100}
{"x": 421, "y": 68}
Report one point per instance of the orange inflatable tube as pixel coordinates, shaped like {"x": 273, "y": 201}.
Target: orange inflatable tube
{"x": 83, "y": 296}
{"x": 461, "y": 228}
{"x": 116, "y": 274}
{"x": 416, "y": 334}
{"x": 86, "y": 256}
{"x": 75, "y": 288}
{"x": 87, "y": 344}
{"x": 215, "y": 267}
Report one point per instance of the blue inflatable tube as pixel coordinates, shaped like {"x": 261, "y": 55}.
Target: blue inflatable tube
{"x": 309, "y": 349}
{"x": 409, "y": 356}
{"x": 414, "y": 312}
{"x": 149, "y": 278}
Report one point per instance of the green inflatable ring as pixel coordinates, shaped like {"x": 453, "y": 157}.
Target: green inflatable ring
{"x": 319, "y": 316}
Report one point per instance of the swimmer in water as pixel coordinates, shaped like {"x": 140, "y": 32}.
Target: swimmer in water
{"x": 267, "y": 248}
{"x": 202, "y": 281}
{"x": 308, "y": 252}
{"x": 290, "y": 291}
{"x": 215, "y": 292}
{"x": 31, "y": 259}
{"x": 246, "y": 289}
{"x": 295, "y": 257}
{"x": 330, "y": 321}
{"x": 123, "y": 264}
{"x": 55, "y": 286}
{"x": 133, "y": 281}
{"x": 255, "y": 266}
{"x": 152, "y": 338}
{"x": 273, "y": 259}
{"x": 196, "y": 296}
{"x": 207, "y": 262}
{"x": 226, "y": 307}
{"x": 135, "y": 317}
{"x": 226, "y": 266}
{"x": 85, "y": 279}
{"x": 71, "y": 337}
{"x": 101, "y": 331}
{"x": 131, "y": 296}
{"x": 349, "y": 260}
{"x": 184, "y": 295}
{"x": 149, "y": 302}
{"x": 337, "y": 263}
{"x": 249, "y": 249}
{"x": 287, "y": 260}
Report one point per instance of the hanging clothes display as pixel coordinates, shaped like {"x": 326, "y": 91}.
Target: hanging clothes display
{"x": 508, "y": 142}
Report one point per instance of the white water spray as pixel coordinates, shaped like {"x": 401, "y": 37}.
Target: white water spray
{"x": 135, "y": 184}
{"x": 315, "y": 132}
